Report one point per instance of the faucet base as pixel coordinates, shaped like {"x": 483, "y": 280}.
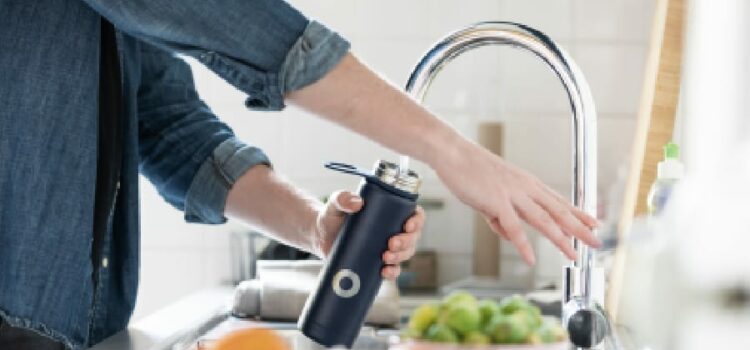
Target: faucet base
{"x": 585, "y": 320}
{"x": 572, "y": 285}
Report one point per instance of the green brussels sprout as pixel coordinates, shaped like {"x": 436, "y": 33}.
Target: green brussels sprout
{"x": 462, "y": 317}
{"x": 459, "y": 297}
{"x": 441, "y": 333}
{"x": 508, "y": 329}
{"x": 487, "y": 309}
{"x": 536, "y": 316}
{"x": 534, "y": 338}
{"x": 531, "y": 315}
{"x": 513, "y": 303}
{"x": 423, "y": 317}
{"x": 476, "y": 338}
{"x": 551, "y": 331}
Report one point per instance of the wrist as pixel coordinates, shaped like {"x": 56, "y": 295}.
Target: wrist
{"x": 313, "y": 232}
{"x": 445, "y": 148}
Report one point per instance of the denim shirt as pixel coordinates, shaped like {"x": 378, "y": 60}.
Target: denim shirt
{"x": 49, "y": 52}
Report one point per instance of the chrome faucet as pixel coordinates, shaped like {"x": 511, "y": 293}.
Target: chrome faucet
{"x": 583, "y": 289}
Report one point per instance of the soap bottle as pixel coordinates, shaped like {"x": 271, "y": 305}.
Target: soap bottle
{"x": 668, "y": 173}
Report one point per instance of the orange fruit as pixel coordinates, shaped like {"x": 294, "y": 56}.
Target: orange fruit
{"x": 251, "y": 339}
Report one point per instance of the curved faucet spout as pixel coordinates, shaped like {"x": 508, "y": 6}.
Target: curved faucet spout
{"x": 578, "y": 278}
{"x": 521, "y": 36}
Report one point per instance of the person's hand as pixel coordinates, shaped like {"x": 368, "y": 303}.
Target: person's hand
{"x": 506, "y": 194}
{"x": 401, "y": 247}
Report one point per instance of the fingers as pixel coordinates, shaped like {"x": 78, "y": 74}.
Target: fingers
{"x": 566, "y": 218}
{"x": 344, "y": 202}
{"x": 391, "y": 272}
{"x": 402, "y": 246}
{"x": 581, "y": 215}
{"x": 511, "y": 224}
{"x": 537, "y": 217}
{"x": 495, "y": 226}
{"x": 403, "y": 241}
{"x": 395, "y": 258}
{"x": 416, "y": 221}
{"x": 586, "y": 219}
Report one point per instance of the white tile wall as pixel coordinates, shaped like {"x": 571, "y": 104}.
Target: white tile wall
{"x": 615, "y": 74}
{"x": 619, "y": 21}
{"x": 608, "y": 39}
{"x": 551, "y": 17}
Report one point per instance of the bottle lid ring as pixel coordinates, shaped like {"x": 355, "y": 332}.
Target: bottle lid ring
{"x": 390, "y": 173}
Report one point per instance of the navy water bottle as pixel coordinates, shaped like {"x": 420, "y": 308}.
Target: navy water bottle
{"x": 336, "y": 310}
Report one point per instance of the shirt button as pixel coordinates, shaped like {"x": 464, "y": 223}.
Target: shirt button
{"x": 105, "y": 263}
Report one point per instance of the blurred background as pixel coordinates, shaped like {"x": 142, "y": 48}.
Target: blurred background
{"x": 608, "y": 40}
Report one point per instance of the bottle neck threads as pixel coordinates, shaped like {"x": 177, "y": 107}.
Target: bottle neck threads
{"x": 391, "y": 174}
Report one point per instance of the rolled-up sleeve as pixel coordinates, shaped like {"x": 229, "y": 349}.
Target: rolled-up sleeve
{"x": 208, "y": 192}
{"x": 314, "y": 54}
{"x": 191, "y": 157}
{"x": 265, "y": 48}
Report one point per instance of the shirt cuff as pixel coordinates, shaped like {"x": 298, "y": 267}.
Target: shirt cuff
{"x": 314, "y": 54}
{"x": 207, "y": 195}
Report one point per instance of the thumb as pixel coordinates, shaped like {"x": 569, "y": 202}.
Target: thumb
{"x": 336, "y": 209}
{"x": 343, "y": 202}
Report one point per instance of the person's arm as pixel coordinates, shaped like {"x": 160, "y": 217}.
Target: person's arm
{"x": 268, "y": 50}
{"x": 198, "y": 166}
{"x": 265, "y": 48}
{"x": 268, "y": 203}
{"x": 190, "y": 156}
{"x": 264, "y": 200}
{"x": 355, "y": 97}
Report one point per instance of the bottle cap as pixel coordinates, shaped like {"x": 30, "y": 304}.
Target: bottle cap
{"x": 670, "y": 167}
{"x": 390, "y": 173}
{"x": 671, "y": 151}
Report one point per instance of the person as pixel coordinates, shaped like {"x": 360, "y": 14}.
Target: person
{"x": 92, "y": 93}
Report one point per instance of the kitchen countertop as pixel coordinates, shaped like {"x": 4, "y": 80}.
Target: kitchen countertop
{"x": 174, "y": 322}
{"x": 369, "y": 339}
{"x": 203, "y": 317}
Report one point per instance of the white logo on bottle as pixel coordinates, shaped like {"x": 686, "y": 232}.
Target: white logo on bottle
{"x": 346, "y": 292}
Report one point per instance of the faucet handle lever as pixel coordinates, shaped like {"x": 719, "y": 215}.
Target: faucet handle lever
{"x": 587, "y": 327}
